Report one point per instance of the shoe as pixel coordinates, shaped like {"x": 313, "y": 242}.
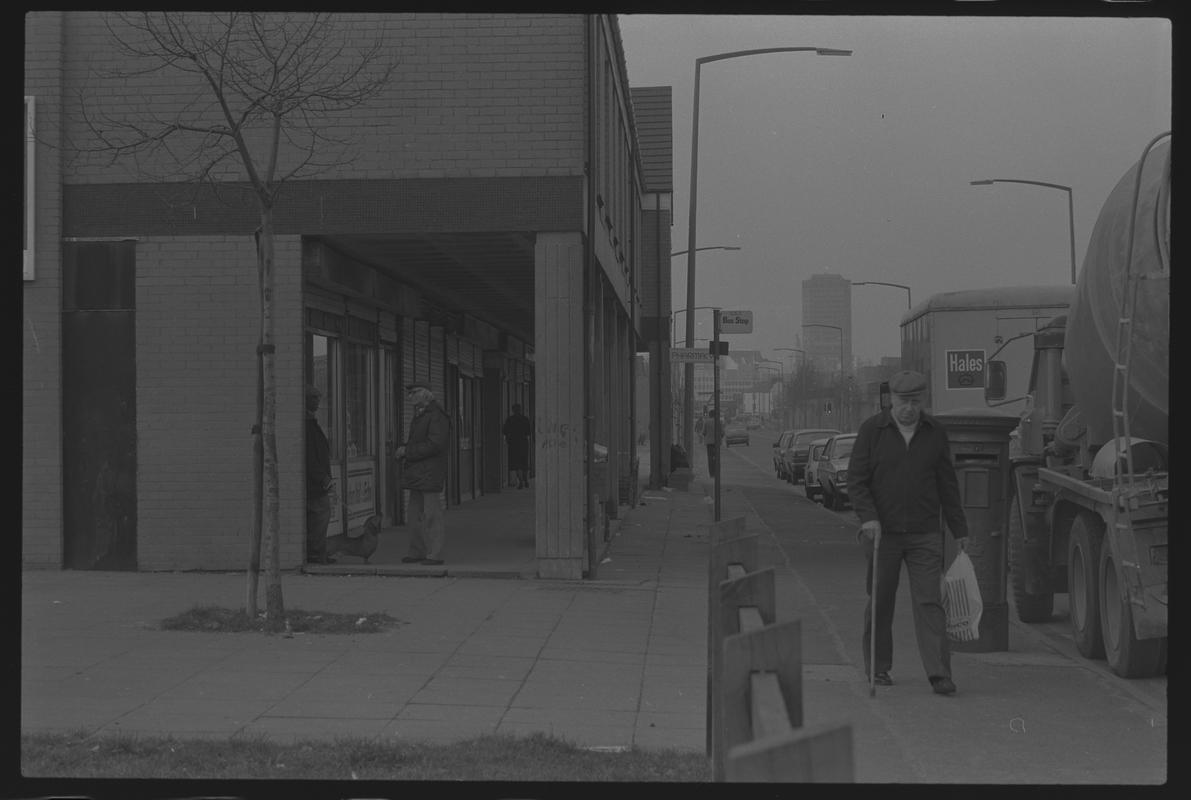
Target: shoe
{"x": 942, "y": 685}
{"x": 882, "y": 679}
{"x": 432, "y": 561}
{"x": 411, "y": 560}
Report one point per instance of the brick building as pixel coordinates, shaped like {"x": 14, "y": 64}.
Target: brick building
{"x": 499, "y": 233}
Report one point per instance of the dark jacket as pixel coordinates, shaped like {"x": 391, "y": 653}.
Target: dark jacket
{"x": 318, "y": 460}
{"x": 904, "y": 487}
{"x": 424, "y": 466}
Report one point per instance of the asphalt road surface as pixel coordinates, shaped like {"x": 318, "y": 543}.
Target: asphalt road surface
{"x": 1037, "y": 714}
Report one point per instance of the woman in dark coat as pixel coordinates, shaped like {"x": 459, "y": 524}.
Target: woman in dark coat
{"x": 516, "y": 431}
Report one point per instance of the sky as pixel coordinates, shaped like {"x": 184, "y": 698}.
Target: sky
{"x": 860, "y": 165}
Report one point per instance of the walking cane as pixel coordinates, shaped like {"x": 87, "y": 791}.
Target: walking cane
{"x": 872, "y": 628}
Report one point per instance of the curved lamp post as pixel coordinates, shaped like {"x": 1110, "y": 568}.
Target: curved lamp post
{"x": 688, "y": 393}
{"x": 1070, "y": 207}
{"x": 674, "y": 318}
{"x": 793, "y": 350}
{"x": 841, "y": 361}
{"x": 909, "y": 301}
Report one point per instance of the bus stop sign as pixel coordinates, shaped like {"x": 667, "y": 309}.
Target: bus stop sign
{"x": 736, "y": 322}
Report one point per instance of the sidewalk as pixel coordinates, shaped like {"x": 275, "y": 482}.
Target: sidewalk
{"x": 614, "y": 662}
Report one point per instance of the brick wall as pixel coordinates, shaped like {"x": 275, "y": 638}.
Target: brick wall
{"x": 471, "y": 95}
{"x": 197, "y": 328}
{"x": 41, "y": 344}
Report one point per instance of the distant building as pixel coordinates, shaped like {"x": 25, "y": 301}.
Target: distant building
{"x": 827, "y": 300}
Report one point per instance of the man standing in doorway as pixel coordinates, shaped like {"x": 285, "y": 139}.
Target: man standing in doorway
{"x": 516, "y": 431}
{"x": 318, "y": 482}
{"x": 423, "y": 471}
{"x": 899, "y": 477}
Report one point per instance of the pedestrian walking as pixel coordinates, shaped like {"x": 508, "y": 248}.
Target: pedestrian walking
{"x": 516, "y": 431}
{"x": 899, "y": 477}
{"x": 423, "y": 470}
{"x": 713, "y": 436}
{"x": 318, "y": 482}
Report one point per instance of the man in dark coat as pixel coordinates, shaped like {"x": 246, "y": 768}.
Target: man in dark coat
{"x": 899, "y": 477}
{"x": 318, "y": 482}
{"x": 423, "y": 472}
{"x": 516, "y": 431}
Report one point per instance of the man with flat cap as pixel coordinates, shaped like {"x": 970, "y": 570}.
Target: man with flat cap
{"x": 899, "y": 477}
{"x": 423, "y": 471}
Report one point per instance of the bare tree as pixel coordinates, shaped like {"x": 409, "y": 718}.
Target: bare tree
{"x": 268, "y": 86}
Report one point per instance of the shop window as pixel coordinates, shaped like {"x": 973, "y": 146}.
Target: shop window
{"x": 359, "y": 418}
{"x": 321, "y": 370}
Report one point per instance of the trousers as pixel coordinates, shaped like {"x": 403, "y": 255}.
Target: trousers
{"x": 923, "y": 556}
{"x": 427, "y": 534}
{"x": 318, "y": 515}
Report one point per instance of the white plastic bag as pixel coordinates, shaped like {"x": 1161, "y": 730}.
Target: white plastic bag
{"x": 961, "y": 600}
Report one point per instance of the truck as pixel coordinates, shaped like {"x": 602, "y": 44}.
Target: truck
{"x": 948, "y": 337}
{"x": 1089, "y": 485}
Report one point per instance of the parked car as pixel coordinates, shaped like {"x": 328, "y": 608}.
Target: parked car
{"x": 783, "y": 441}
{"x": 833, "y": 470}
{"x": 795, "y": 453}
{"x": 735, "y": 433}
{"x": 753, "y": 424}
{"x": 811, "y": 481}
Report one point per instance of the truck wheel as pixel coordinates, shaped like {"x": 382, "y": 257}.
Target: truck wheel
{"x": 825, "y": 491}
{"x": 1029, "y": 568}
{"x": 1127, "y": 655}
{"x": 1083, "y": 560}
{"x": 810, "y": 491}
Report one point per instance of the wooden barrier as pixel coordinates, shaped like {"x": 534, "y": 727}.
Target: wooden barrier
{"x": 729, "y": 544}
{"x": 755, "y": 716}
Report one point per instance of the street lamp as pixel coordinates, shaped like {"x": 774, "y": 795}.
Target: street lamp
{"x": 701, "y": 249}
{"x": 792, "y": 407}
{"x": 909, "y": 302}
{"x": 841, "y": 360}
{"x": 688, "y": 393}
{"x": 1070, "y": 207}
{"x": 674, "y": 318}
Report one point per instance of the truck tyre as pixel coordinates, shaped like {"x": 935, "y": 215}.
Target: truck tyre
{"x": 1083, "y": 562}
{"x": 810, "y": 491}
{"x": 1029, "y": 568}
{"x": 1127, "y": 655}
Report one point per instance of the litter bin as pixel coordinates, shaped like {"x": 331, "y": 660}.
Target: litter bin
{"x": 979, "y": 440}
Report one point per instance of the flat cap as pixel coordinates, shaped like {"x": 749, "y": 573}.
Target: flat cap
{"x": 907, "y": 382}
{"x": 409, "y": 387}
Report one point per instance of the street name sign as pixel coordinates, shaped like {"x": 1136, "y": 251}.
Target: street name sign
{"x": 736, "y": 322}
{"x": 683, "y": 355}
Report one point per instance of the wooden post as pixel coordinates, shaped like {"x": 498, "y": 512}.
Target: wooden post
{"x": 727, "y": 543}
{"x": 815, "y": 754}
{"x": 774, "y": 648}
{"x": 753, "y": 589}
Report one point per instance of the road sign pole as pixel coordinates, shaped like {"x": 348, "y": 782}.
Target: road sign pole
{"x": 717, "y": 431}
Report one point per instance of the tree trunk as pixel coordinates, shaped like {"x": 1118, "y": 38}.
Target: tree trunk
{"x": 274, "y": 605}
{"x": 254, "y": 542}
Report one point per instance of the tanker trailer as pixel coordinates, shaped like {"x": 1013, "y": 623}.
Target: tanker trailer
{"x": 1089, "y": 499}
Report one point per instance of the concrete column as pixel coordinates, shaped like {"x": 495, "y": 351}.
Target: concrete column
{"x": 559, "y": 361}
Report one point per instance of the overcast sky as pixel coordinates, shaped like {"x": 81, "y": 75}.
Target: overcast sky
{"x": 860, "y": 165}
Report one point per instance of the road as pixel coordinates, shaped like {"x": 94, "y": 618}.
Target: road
{"x": 1039, "y": 713}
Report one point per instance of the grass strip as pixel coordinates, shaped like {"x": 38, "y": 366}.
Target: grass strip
{"x": 490, "y": 757}
{"x": 215, "y": 619}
